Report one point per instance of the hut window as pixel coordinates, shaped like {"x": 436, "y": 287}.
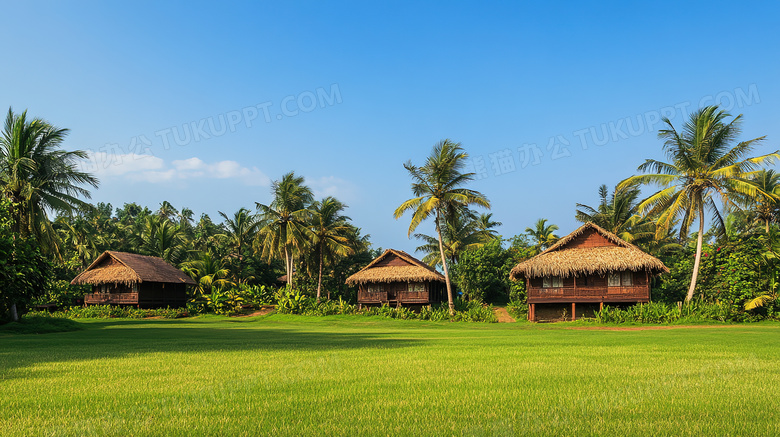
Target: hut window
{"x": 614, "y": 280}
{"x": 375, "y": 288}
{"x": 627, "y": 279}
{"x": 417, "y": 287}
{"x": 552, "y": 282}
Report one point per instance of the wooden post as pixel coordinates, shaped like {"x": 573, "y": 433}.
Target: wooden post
{"x": 532, "y": 312}
{"x": 601, "y": 305}
{"x": 573, "y": 311}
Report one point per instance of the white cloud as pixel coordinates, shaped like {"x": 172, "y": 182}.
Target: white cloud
{"x": 332, "y": 186}
{"x": 148, "y": 168}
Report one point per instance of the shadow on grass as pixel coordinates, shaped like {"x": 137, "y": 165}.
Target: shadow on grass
{"x": 40, "y": 325}
{"x": 118, "y": 338}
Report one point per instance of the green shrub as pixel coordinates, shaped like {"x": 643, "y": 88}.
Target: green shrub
{"x": 110, "y": 311}
{"x": 292, "y": 301}
{"x": 517, "y": 309}
{"x": 660, "y": 312}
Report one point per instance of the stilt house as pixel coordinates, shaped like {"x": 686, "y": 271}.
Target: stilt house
{"x": 397, "y": 278}
{"x": 120, "y": 278}
{"x": 584, "y": 270}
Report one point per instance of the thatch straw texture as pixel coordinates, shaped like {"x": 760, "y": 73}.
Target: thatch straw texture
{"x": 130, "y": 268}
{"x": 414, "y": 270}
{"x": 560, "y": 260}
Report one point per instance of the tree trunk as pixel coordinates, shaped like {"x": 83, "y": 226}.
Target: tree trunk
{"x": 14, "y": 313}
{"x": 444, "y": 267}
{"x": 767, "y": 226}
{"x": 287, "y": 265}
{"x": 699, "y": 242}
{"x": 319, "y": 281}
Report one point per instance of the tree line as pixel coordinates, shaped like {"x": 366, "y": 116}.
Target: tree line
{"x": 314, "y": 245}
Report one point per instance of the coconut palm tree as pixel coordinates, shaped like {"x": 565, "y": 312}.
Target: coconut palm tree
{"x": 285, "y": 221}
{"x": 705, "y": 166}
{"x": 240, "y": 230}
{"x": 167, "y": 211}
{"x": 437, "y": 186}
{"x": 207, "y": 271}
{"x": 162, "y": 239}
{"x": 330, "y": 233}
{"x": 618, "y": 214}
{"x": 463, "y": 231}
{"x": 542, "y": 235}
{"x": 765, "y": 204}
{"x": 37, "y": 176}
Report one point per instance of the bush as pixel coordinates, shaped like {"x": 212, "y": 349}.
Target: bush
{"x": 111, "y": 311}
{"x": 62, "y": 294}
{"x": 518, "y": 309}
{"x": 290, "y": 300}
{"x": 660, "y": 312}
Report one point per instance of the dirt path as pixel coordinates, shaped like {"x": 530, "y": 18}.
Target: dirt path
{"x": 503, "y": 315}
{"x": 261, "y": 312}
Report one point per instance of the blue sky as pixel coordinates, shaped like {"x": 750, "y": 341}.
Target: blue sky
{"x": 203, "y": 104}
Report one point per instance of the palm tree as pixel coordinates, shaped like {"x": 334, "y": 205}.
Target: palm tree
{"x": 485, "y": 225}
{"x": 162, "y": 239}
{"x": 618, "y": 214}
{"x": 704, "y": 166}
{"x": 767, "y": 200}
{"x": 464, "y": 231}
{"x": 37, "y": 176}
{"x": 542, "y": 235}
{"x": 330, "y": 233}
{"x": 240, "y": 231}
{"x": 167, "y": 211}
{"x": 285, "y": 221}
{"x": 437, "y": 186}
{"x": 207, "y": 271}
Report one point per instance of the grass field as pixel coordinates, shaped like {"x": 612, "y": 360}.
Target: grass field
{"x": 353, "y": 375}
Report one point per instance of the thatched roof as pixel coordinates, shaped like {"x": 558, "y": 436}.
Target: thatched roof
{"x": 130, "y": 268}
{"x": 562, "y": 260}
{"x": 411, "y": 270}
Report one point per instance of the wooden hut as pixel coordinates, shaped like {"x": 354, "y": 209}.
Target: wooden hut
{"x": 397, "y": 278}
{"x": 585, "y": 270}
{"x": 120, "y": 278}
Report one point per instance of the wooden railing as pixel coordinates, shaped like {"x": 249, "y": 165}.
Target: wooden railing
{"x": 589, "y": 293}
{"x": 412, "y": 296}
{"x": 111, "y": 298}
{"x": 399, "y": 296}
{"x": 367, "y": 297}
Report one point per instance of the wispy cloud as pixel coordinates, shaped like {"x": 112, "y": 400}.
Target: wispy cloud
{"x": 148, "y": 168}
{"x": 332, "y": 186}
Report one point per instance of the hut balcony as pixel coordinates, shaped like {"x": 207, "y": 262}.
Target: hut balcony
{"x": 394, "y": 297}
{"x": 111, "y": 299}
{"x": 639, "y": 293}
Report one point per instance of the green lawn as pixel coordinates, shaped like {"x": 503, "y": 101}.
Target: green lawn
{"x": 291, "y": 375}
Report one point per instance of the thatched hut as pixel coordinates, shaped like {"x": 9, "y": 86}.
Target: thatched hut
{"x": 590, "y": 266}
{"x": 121, "y": 278}
{"x": 397, "y": 278}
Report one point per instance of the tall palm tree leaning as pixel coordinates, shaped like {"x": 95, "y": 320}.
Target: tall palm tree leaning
{"x": 437, "y": 186}
{"x": 38, "y": 176}
{"x": 330, "y": 233}
{"x": 704, "y": 166}
{"x": 285, "y": 221}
